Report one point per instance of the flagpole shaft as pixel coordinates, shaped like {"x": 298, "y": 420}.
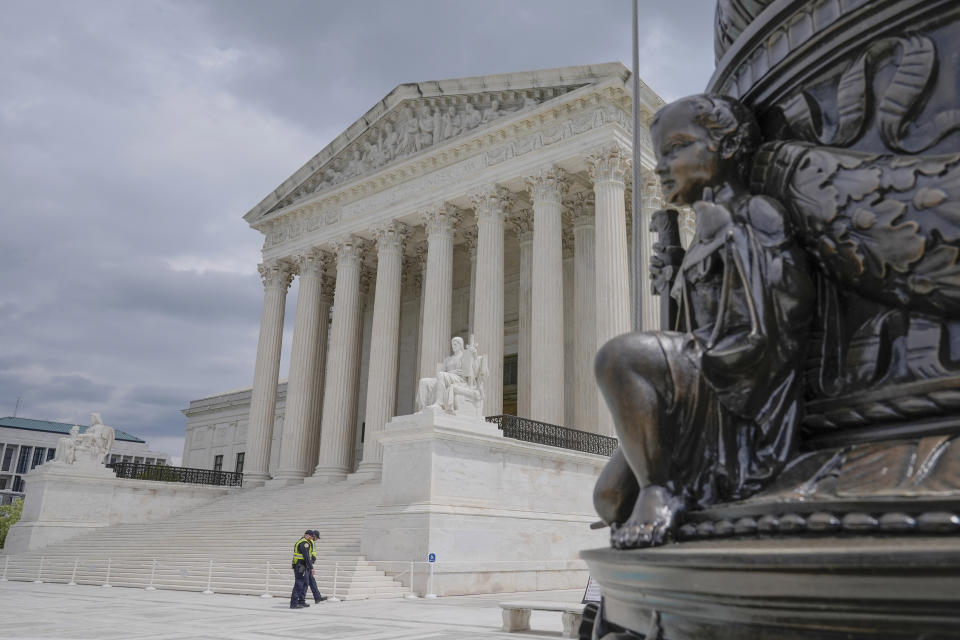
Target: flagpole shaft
{"x": 639, "y": 273}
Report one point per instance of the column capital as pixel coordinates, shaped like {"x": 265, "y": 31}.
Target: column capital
{"x": 548, "y": 184}
{"x": 390, "y": 236}
{"x": 582, "y": 211}
{"x": 522, "y": 223}
{"x": 277, "y": 273}
{"x": 349, "y": 250}
{"x": 440, "y": 218}
{"x": 313, "y": 263}
{"x": 610, "y": 163}
{"x": 490, "y": 200}
{"x": 566, "y": 240}
{"x": 470, "y": 240}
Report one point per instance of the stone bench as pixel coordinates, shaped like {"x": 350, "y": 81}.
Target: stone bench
{"x": 516, "y": 615}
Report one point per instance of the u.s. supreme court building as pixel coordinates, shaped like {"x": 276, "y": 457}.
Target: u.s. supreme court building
{"x": 492, "y": 206}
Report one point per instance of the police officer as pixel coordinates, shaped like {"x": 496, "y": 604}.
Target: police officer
{"x": 302, "y": 570}
{"x": 317, "y": 598}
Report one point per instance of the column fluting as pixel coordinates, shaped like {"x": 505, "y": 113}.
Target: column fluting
{"x": 276, "y": 276}
{"x": 320, "y": 369}
{"x": 437, "y": 287}
{"x": 523, "y": 227}
{"x": 547, "y": 187}
{"x": 489, "y": 204}
{"x": 384, "y": 342}
{"x": 335, "y": 457}
{"x": 304, "y": 351}
{"x": 608, "y": 167}
{"x": 584, "y": 303}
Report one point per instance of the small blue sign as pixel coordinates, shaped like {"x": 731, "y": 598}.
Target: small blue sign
{"x": 432, "y": 557}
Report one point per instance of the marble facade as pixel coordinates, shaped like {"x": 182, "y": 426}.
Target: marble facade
{"x": 493, "y": 206}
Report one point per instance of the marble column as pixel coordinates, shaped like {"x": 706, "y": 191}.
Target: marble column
{"x": 320, "y": 368}
{"x": 547, "y": 187}
{"x": 470, "y": 241}
{"x": 276, "y": 276}
{"x": 437, "y": 287}
{"x": 523, "y": 227}
{"x": 650, "y": 203}
{"x": 384, "y": 343}
{"x": 489, "y": 203}
{"x": 608, "y": 167}
{"x": 584, "y": 304}
{"x": 335, "y": 457}
{"x": 295, "y": 457}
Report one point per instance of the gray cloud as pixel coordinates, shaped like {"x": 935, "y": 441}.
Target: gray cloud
{"x": 136, "y": 135}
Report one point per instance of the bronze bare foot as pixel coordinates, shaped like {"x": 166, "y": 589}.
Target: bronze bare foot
{"x": 651, "y": 522}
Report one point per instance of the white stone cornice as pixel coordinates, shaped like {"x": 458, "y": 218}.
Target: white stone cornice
{"x": 276, "y": 273}
{"x": 610, "y": 163}
{"x": 548, "y": 184}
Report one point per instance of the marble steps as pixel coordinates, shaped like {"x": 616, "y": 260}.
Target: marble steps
{"x": 240, "y": 533}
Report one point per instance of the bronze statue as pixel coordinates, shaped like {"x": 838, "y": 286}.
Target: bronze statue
{"x": 709, "y": 412}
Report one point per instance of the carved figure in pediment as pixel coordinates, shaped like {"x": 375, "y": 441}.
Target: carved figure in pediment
{"x": 450, "y": 124}
{"x": 426, "y": 125}
{"x": 372, "y": 155}
{"x": 709, "y": 413}
{"x": 355, "y": 166}
{"x": 471, "y": 117}
{"x": 493, "y": 111}
{"x": 389, "y": 142}
{"x": 409, "y": 132}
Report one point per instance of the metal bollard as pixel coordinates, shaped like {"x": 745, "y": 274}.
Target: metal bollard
{"x": 107, "y": 583}
{"x": 40, "y": 572}
{"x": 333, "y": 596}
{"x": 73, "y": 578}
{"x": 208, "y": 590}
{"x": 153, "y": 573}
{"x": 266, "y": 583}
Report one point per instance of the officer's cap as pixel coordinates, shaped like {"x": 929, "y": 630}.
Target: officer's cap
{"x": 315, "y": 533}
{"x": 308, "y": 532}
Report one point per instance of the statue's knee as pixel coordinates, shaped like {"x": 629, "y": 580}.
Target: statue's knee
{"x": 627, "y": 354}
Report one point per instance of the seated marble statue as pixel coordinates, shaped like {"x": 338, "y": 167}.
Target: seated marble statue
{"x": 89, "y": 448}
{"x": 709, "y": 412}
{"x": 458, "y": 387}
{"x": 67, "y": 447}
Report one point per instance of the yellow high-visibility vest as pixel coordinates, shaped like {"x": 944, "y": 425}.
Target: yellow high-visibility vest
{"x": 297, "y": 556}
{"x": 313, "y": 550}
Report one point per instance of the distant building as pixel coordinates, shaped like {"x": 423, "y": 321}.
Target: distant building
{"x": 26, "y": 443}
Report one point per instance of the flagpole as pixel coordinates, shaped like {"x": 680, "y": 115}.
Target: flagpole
{"x": 637, "y": 263}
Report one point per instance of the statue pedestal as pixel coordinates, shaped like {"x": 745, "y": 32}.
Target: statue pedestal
{"x": 64, "y": 500}
{"x": 499, "y": 514}
{"x": 783, "y": 589}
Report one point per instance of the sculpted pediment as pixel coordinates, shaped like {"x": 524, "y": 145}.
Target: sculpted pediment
{"x": 415, "y": 118}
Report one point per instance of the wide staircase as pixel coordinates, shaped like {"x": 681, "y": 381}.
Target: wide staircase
{"x": 241, "y": 543}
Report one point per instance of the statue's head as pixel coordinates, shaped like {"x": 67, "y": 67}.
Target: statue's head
{"x": 388, "y": 127}
{"x": 75, "y": 430}
{"x": 702, "y": 141}
{"x": 457, "y": 344}
{"x": 95, "y": 419}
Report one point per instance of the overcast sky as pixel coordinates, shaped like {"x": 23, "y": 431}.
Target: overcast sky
{"x": 134, "y": 135}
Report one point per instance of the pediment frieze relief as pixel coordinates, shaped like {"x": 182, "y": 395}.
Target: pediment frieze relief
{"x": 414, "y": 126}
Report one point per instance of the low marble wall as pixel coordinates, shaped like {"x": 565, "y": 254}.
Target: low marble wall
{"x": 63, "y": 501}
{"x": 500, "y": 515}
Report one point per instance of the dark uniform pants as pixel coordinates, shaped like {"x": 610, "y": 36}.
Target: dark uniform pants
{"x": 301, "y": 578}
{"x": 313, "y": 587}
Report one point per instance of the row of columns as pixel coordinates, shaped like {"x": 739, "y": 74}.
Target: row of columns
{"x": 601, "y": 300}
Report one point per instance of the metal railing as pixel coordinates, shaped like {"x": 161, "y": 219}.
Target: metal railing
{"x": 164, "y": 473}
{"x": 553, "y": 435}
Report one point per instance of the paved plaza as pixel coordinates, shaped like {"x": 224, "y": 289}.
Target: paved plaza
{"x": 34, "y": 611}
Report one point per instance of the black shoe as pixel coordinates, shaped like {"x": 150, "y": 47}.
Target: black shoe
{"x": 320, "y": 599}
{"x": 303, "y": 604}
{"x": 296, "y": 606}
